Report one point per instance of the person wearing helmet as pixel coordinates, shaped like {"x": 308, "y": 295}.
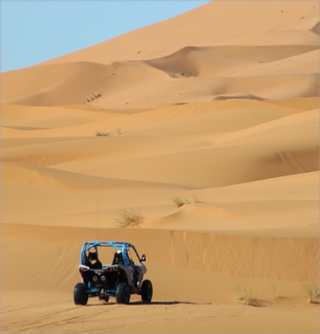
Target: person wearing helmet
{"x": 93, "y": 261}
{"x": 118, "y": 258}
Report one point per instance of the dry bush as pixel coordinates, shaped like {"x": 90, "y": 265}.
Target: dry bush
{"x": 244, "y": 295}
{"x": 195, "y": 199}
{"x": 178, "y": 202}
{"x": 312, "y": 291}
{"x": 102, "y": 133}
{"x": 129, "y": 218}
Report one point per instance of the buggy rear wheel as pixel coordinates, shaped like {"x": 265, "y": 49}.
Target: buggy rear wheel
{"x": 79, "y": 294}
{"x": 146, "y": 291}
{"x": 123, "y": 293}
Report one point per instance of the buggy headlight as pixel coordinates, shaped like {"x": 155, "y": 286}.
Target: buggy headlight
{"x": 95, "y": 278}
{"x": 103, "y": 278}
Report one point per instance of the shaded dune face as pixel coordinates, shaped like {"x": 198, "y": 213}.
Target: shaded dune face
{"x": 207, "y": 125}
{"x": 224, "y": 59}
{"x": 231, "y": 256}
{"x": 50, "y": 85}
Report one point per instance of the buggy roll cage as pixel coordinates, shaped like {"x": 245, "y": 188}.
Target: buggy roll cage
{"x": 118, "y": 245}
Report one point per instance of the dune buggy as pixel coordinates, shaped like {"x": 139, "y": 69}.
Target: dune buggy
{"x": 120, "y": 278}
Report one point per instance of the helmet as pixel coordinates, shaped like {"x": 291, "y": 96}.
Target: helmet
{"x": 118, "y": 259}
{"x": 93, "y": 256}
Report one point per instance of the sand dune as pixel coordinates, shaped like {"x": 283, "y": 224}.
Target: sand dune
{"x": 50, "y": 84}
{"x": 188, "y": 73}
{"x": 215, "y": 23}
{"x": 194, "y": 69}
{"x": 217, "y": 109}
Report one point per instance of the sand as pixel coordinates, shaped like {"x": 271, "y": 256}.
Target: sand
{"x": 217, "y": 108}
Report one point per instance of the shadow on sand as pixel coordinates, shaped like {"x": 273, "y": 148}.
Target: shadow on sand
{"x": 141, "y": 303}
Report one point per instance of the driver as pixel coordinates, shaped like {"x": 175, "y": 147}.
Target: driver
{"x": 92, "y": 261}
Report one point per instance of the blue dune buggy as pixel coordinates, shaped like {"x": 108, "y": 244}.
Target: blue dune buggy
{"x": 120, "y": 278}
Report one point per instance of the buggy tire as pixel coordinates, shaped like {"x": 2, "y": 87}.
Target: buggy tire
{"x": 123, "y": 293}
{"x": 146, "y": 291}
{"x": 79, "y": 294}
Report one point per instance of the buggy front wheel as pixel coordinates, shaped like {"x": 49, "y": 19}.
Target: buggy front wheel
{"x": 146, "y": 291}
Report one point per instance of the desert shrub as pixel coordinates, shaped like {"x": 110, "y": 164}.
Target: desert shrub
{"x": 178, "y": 202}
{"x": 195, "y": 199}
{"x": 244, "y": 295}
{"x": 129, "y": 218}
{"x": 312, "y": 291}
{"x": 274, "y": 291}
{"x": 102, "y": 133}
{"x": 119, "y": 132}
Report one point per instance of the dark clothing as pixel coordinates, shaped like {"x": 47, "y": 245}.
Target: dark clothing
{"x": 117, "y": 259}
{"x": 97, "y": 264}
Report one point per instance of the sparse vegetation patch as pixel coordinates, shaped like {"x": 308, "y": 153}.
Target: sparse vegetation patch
{"x": 102, "y": 133}
{"x": 312, "y": 291}
{"x": 244, "y": 295}
{"x": 129, "y": 218}
{"x": 178, "y": 202}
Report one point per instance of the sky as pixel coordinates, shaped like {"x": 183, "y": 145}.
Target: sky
{"x": 35, "y": 31}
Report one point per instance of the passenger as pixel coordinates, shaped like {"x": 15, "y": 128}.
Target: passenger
{"x": 118, "y": 259}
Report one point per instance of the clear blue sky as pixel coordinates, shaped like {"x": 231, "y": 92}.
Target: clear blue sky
{"x": 36, "y": 31}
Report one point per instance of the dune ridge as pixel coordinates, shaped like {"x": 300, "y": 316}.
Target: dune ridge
{"x": 259, "y": 24}
{"x": 250, "y": 73}
{"x": 97, "y": 73}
